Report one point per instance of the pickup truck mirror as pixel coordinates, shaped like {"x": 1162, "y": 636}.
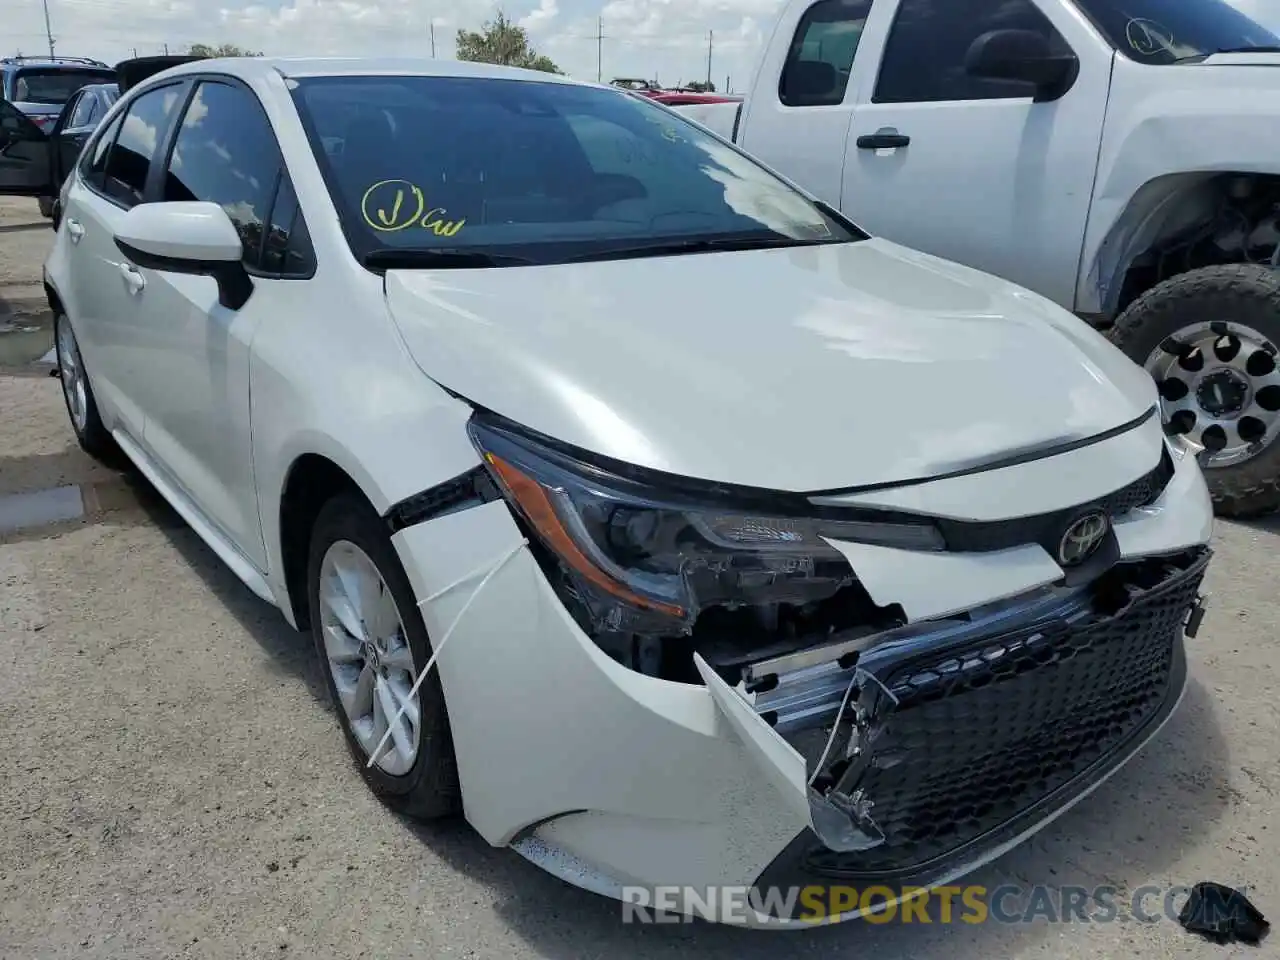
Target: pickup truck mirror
{"x": 1022, "y": 55}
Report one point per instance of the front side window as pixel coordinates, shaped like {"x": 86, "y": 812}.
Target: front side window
{"x": 539, "y": 171}
{"x": 54, "y": 85}
{"x": 226, "y": 153}
{"x": 1161, "y": 32}
{"x": 145, "y": 121}
{"x": 924, "y": 57}
{"x": 820, "y": 58}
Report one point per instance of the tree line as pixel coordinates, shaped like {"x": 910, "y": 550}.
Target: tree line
{"x": 499, "y": 40}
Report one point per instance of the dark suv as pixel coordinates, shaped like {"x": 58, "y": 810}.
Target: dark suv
{"x": 39, "y": 86}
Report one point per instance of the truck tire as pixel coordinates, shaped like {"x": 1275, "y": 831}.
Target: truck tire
{"x": 1209, "y": 338}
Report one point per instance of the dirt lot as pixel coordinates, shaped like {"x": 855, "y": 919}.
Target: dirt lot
{"x": 172, "y": 783}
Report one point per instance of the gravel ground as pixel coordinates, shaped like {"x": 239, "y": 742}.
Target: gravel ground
{"x": 173, "y": 783}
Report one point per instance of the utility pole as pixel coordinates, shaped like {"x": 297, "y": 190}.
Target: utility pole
{"x": 433, "y": 40}
{"x": 599, "y": 48}
{"x": 710, "y": 35}
{"x": 166, "y": 49}
{"x": 48, "y": 31}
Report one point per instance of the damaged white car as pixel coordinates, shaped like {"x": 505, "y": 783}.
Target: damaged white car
{"x": 642, "y": 508}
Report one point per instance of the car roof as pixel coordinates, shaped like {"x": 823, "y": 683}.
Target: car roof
{"x": 249, "y": 68}
{"x": 44, "y": 64}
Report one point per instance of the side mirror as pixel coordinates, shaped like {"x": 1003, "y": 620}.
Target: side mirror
{"x": 188, "y": 237}
{"x": 1022, "y": 55}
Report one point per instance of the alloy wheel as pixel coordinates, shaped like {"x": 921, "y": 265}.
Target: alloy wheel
{"x": 71, "y": 371}
{"x": 368, "y": 656}
{"x": 1219, "y": 389}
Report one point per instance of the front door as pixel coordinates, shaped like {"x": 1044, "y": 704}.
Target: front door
{"x": 197, "y": 408}
{"x": 971, "y": 169}
{"x": 24, "y": 154}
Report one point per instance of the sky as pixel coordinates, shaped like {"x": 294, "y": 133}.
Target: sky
{"x": 666, "y": 39}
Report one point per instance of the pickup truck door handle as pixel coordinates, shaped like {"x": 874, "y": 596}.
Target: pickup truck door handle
{"x": 74, "y": 230}
{"x": 882, "y": 141}
{"x": 133, "y": 278}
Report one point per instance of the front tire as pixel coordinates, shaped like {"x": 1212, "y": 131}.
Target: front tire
{"x": 1209, "y": 338}
{"x": 373, "y": 645}
{"x": 82, "y": 408}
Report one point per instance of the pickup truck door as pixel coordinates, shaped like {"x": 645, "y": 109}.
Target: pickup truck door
{"x": 970, "y": 169}
{"x": 796, "y": 118}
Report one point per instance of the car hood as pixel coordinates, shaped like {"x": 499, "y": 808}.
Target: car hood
{"x": 798, "y": 369}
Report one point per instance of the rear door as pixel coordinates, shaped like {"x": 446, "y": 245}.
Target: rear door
{"x": 79, "y": 119}
{"x": 25, "y": 155}
{"x": 120, "y": 351}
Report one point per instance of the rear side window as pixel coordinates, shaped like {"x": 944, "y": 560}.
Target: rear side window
{"x": 820, "y": 58}
{"x": 146, "y": 121}
{"x": 82, "y": 112}
{"x": 226, "y": 153}
{"x": 93, "y": 161}
{"x": 925, "y": 53}
{"x": 53, "y": 85}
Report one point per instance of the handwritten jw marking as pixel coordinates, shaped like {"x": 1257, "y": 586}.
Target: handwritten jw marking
{"x": 407, "y": 208}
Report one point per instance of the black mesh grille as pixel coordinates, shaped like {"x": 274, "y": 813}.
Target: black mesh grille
{"x": 983, "y": 734}
{"x": 1046, "y": 528}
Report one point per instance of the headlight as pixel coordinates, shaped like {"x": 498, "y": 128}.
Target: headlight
{"x": 648, "y": 552}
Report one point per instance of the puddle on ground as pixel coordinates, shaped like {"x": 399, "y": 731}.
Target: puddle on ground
{"x": 23, "y": 514}
{"x": 24, "y": 342}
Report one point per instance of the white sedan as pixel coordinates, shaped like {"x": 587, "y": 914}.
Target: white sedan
{"x": 642, "y": 508}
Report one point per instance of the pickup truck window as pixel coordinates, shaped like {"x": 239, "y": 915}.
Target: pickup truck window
{"x": 1161, "y": 32}
{"x": 821, "y": 55}
{"x": 513, "y": 172}
{"x": 925, "y": 53}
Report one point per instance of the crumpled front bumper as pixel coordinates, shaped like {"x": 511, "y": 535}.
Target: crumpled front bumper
{"x": 609, "y": 778}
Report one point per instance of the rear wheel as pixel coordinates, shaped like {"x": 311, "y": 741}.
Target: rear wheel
{"x": 1209, "y": 339}
{"x": 78, "y": 394}
{"x": 373, "y": 646}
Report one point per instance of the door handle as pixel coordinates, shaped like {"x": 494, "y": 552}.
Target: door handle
{"x": 75, "y": 230}
{"x": 883, "y": 141}
{"x": 133, "y": 278}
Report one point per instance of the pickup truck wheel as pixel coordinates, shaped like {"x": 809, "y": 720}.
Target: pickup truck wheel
{"x": 373, "y": 645}
{"x": 1209, "y": 339}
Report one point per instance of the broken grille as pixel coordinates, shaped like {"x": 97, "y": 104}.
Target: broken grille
{"x": 983, "y": 735}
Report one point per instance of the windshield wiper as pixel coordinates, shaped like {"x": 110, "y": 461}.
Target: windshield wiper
{"x": 441, "y": 258}
{"x": 704, "y": 245}
{"x": 1247, "y": 50}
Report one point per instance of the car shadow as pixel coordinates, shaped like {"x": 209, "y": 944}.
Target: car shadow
{"x": 290, "y": 650}
{"x": 1130, "y": 833}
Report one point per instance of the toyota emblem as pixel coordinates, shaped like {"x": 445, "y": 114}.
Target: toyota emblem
{"x": 1082, "y": 538}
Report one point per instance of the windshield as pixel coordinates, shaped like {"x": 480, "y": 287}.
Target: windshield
{"x": 53, "y": 85}
{"x": 537, "y": 172}
{"x": 1172, "y": 31}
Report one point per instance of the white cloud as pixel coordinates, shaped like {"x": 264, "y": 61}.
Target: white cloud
{"x": 538, "y": 20}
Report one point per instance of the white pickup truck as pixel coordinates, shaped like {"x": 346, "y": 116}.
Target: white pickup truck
{"x": 1119, "y": 157}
